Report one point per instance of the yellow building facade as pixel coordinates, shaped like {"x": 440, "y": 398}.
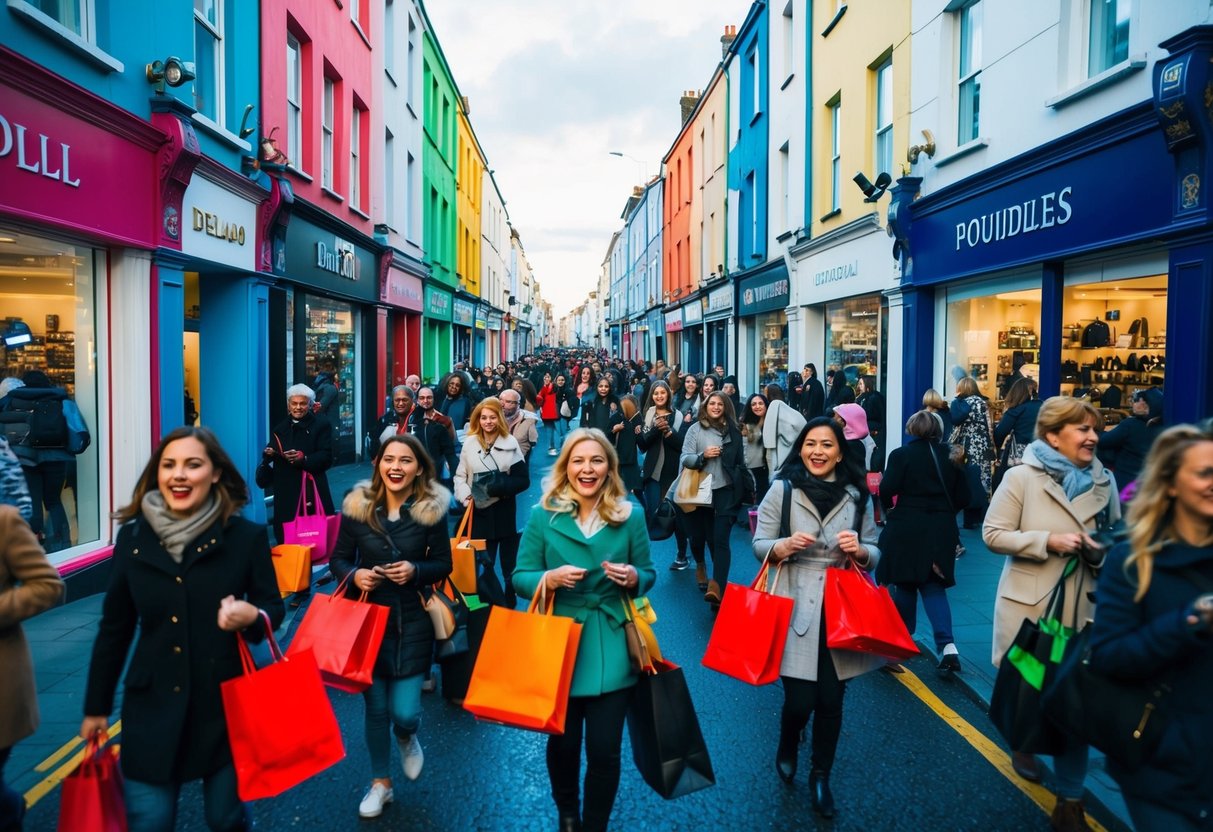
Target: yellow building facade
{"x": 469, "y": 184}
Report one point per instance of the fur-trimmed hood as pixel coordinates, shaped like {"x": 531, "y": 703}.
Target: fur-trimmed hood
{"x": 427, "y": 510}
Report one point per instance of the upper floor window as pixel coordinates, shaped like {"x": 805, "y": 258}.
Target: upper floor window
{"x": 884, "y": 117}
{"x": 208, "y": 59}
{"x": 389, "y": 37}
{"x": 294, "y": 102}
{"x": 77, "y": 16}
{"x": 326, "y": 132}
{"x": 356, "y": 163}
{"x": 1109, "y": 35}
{"x": 756, "y": 87}
{"x": 968, "y": 113}
{"x": 789, "y": 39}
{"x": 411, "y": 67}
{"x": 836, "y": 154}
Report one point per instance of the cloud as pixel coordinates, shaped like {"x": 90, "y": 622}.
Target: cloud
{"x": 554, "y": 86}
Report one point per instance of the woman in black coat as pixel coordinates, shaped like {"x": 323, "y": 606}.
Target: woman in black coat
{"x": 918, "y": 543}
{"x": 1124, "y": 447}
{"x": 813, "y": 396}
{"x": 1017, "y": 427}
{"x": 1155, "y": 623}
{"x": 394, "y": 542}
{"x": 602, "y": 411}
{"x": 661, "y": 440}
{"x": 302, "y": 442}
{"x": 626, "y": 445}
{"x": 188, "y": 572}
{"x": 840, "y": 392}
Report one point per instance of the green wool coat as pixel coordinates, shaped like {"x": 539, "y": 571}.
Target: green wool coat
{"x": 553, "y": 539}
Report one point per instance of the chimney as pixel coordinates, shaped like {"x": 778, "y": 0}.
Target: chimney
{"x": 726, "y": 40}
{"x": 688, "y": 101}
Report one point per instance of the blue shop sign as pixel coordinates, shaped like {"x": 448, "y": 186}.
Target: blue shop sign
{"x": 1058, "y": 209}
{"x": 464, "y": 313}
{"x": 765, "y": 292}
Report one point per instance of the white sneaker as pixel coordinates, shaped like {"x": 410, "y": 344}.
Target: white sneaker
{"x": 376, "y": 798}
{"x": 552, "y": 452}
{"x": 412, "y": 757}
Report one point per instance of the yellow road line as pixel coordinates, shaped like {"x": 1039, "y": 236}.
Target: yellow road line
{"x": 48, "y": 783}
{"x": 998, "y": 758}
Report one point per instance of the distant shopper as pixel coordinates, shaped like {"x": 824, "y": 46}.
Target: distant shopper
{"x": 1124, "y": 447}
{"x": 28, "y": 585}
{"x": 301, "y": 443}
{"x": 840, "y": 392}
{"x": 520, "y": 424}
{"x": 327, "y": 393}
{"x": 436, "y": 433}
{"x": 813, "y": 396}
{"x": 188, "y": 573}
{"x": 873, "y": 403}
{"x": 973, "y": 431}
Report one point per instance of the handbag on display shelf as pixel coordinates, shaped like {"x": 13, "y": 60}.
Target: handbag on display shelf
{"x": 694, "y": 489}
{"x": 525, "y": 667}
{"x": 344, "y": 636}
{"x": 316, "y": 529}
{"x": 280, "y": 724}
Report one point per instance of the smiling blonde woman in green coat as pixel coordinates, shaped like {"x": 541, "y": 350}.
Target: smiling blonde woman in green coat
{"x": 590, "y": 546}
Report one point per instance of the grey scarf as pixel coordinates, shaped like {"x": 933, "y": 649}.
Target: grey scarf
{"x": 176, "y": 531}
{"x": 1072, "y": 479}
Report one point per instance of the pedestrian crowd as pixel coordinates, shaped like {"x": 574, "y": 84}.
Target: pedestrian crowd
{"x": 1114, "y": 528}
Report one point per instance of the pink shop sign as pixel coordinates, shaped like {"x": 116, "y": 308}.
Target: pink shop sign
{"x": 57, "y": 168}
{"x": 403, "y": 290}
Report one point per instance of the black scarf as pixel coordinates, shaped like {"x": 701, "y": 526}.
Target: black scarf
{"x": 825, "y": 495}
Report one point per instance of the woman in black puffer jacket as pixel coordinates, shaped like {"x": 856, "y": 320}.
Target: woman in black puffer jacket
{"x": 393, "y": 542}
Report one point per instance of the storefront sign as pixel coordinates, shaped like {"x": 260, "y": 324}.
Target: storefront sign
{"x": 692, "y": 313}
{"x": 403, "y": 290}
{"x": 317, "y": 257}
{"x": 219, "y": 226}
{"x": 494, "y": 320}
{"x": 74, "y": 161}
{"x": 1075, "y": 204}
{"x": 859, "y": 265}
{"x": 834, "y": 274}
{"x": 437, "y": 304}
{"x": 765, "y": 292}
{"x": 720, "y": 302}
{"x": 464, "y": 313}
{"x": 673, "y": 321}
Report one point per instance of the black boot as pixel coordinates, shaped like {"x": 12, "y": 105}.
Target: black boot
{"x": 570, "y": 823}
{"x": 819, "y": 793}
{"x": 786, "y": 754}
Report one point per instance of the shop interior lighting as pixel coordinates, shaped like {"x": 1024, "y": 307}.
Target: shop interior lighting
{"x": 17, "y": 334}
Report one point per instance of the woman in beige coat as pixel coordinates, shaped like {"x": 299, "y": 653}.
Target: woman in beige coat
{"x": 828, "y": 522}
{"x": 1043, "y": 515}
{"x": 28, "y": 586}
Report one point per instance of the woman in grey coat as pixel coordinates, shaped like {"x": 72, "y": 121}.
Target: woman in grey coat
{"x": 827, "y": 523}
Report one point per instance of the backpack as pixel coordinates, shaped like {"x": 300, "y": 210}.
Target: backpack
{"x": 33, "y": 418}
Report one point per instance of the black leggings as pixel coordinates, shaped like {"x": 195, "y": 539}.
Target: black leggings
{"x": 713, "y": 525}
{"x": 823, "y": 698}
{"x": 508, "y": 546}
{"x": 603, "y": 717}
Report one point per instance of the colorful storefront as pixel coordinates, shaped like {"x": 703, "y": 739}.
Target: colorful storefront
{"x": 436, "y": 333}
{"x": 763, "y": 327}
{"x": 399, "y": 325}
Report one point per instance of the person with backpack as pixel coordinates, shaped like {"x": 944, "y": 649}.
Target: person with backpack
{"x": 46, "y": 430}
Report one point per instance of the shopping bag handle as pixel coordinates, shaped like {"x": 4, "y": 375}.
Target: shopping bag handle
{"x": 465, "y": 523}
{"x": 246, "y": 658}
{"x": 540, "y": 602}
{"x": 759, "y": 582}
{"x": 301, "y": 505}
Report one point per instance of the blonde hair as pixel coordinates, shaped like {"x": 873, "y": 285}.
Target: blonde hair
{"x": 966, "y": 387}
{"x": 1150, "y": 516}
{"x": 933, "y": 400}
{"x": 558, "y": 494}
{"x": 1059, "y": 411}
{"x": 494, "y": 405}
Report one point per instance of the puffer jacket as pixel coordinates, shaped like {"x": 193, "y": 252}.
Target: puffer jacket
{"x": 420, "y": 536}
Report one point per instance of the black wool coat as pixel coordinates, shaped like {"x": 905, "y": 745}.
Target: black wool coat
{"x": 920, "y": 534}
{"x": 313, "y": 434}
{"x": 173, "y": 726}
{"x": 419, "y": 536}
{"x": 649, "y": 440}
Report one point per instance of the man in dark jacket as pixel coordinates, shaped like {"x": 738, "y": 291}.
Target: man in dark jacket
{"x": 1124, "y": 447}
{"x": 813, "y": 396}
{"x": 396, "y": 420}
{"x": 326, "y": 392}
{"x": 301, "y": 443}
{"x": 436, "y": 432}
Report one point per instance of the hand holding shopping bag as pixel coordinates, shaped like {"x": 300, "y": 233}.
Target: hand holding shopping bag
{"x": 91, "y": 800}
{"x": 750, "y": 632}
{"x": 861, "y": 616}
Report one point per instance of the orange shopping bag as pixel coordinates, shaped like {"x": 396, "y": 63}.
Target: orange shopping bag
{"x": 525, "y": 667}
{"x": 463, "y": 555}
{"x": 293, "y": 566}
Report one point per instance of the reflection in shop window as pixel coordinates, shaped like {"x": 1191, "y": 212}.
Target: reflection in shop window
{"x": 50, "y": 287}
{"x": 853, "y": 337}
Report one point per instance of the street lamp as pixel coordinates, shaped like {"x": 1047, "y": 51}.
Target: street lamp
{"x": 644, "y": 166}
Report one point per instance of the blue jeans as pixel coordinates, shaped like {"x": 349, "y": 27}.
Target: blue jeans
{"x": 152, "y": 807}
{"x": 397, "y": 700}
{"x": 1070, "y": 771}
{"x": 562, "y": 430}
{"x": 934, "y": 601}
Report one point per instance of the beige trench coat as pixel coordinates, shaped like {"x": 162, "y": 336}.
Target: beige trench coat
{"x": 802, "y": 576}
{"x": 28, "y": 585}
{"x": 1028, "y": 506}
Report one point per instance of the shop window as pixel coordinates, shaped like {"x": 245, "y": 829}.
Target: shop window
{"x": 853, "y": 336}
{"x": 772, "y": 347}
{"x": 48, "y": 290}
{"x": 330, "y": 342}
{"x": 1114, "y": 341}
{"x": 990, "y": 335}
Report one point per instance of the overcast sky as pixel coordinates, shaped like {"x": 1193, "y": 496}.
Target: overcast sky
{"x": 554, "y": 86}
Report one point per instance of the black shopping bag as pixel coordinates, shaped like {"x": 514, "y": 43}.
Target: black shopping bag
{"x": 1015, "y": 705}
{"x": 457, "y": 669}
{"x": 667, "y": 745}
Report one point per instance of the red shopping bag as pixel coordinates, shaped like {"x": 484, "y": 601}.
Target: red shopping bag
{"x": 316, "y": 530}
{"x": 344, "y": 636}
{"x": 861, "y": 616}
{"x": 280, "y": 724}
{"x": 525, "y": 667}
{"x": 91, "y": 800}
{"x": 751, "y": 631}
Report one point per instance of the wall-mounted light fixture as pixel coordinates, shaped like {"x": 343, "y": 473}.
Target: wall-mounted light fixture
{"x": 171, "y": 71}
{"x": 872, "y": 191}
{"x": 927, "y": 147}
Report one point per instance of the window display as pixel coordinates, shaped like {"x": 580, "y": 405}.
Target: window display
{"x": 853, "y": 336}
{"x": 330, "y": 342}
{"x": 773, "y": 348}
{"x": 47, "y": 313}
{"x": 1114, "y": 341}
{"x": 991, "y": 336}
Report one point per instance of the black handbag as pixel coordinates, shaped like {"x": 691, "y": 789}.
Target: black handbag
{"x": 667, "y": 743}
{"x": 661, "y": 527}
{"x": 457, "y": 668}
{"x": 445, "y": 603}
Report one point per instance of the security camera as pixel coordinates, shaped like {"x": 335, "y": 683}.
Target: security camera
{"x": 873, "y": 191}
{"x": 864, "y": 183}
